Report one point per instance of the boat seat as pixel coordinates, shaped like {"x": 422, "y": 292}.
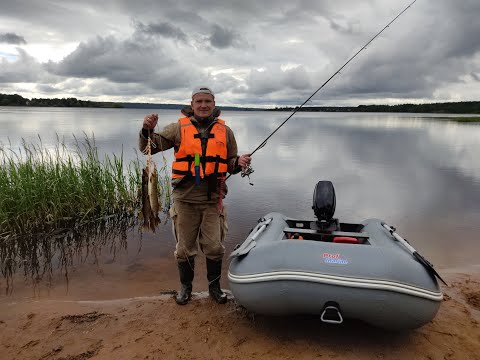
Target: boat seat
{"x": 329, "y": 236}
{"x": 345, "y": 240}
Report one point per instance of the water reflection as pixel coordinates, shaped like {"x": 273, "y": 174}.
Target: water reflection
{"x": 420, "y": 174}
{"x": 416, "y": 172}
{"x": 38, "y": 255}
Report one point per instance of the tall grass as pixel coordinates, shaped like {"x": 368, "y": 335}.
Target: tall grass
{"x": 55, "y": 202}
{"x": 466, "y": 119}
{"x": 42, "y": 188}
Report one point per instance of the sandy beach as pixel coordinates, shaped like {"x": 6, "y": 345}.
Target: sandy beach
{"x": 151, "y": 326}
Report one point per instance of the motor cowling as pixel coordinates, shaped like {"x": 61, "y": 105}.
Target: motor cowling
{"x": 324, "y": 200}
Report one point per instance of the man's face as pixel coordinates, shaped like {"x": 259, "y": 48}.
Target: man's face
{"x": 203, "y": 105}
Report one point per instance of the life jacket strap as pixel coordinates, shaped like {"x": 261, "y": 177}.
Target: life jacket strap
{"x": 217, "y": 161}
{"x": 203, "y": 136}
{"x": 213, "y": 159}
{"x": 182, "y": 172}
{"x": 189, "y": 173}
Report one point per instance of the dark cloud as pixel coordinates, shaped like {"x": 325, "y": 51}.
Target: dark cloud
{"x": 164, "y": 29}
{"x": 110, "y": 58}
{"x": 237, "y": 14}
{"x": 344, "y": 28}
{"x": 222, "y": 38}
{"x": 11, "y": 38}
{"x": 123, "y": 61}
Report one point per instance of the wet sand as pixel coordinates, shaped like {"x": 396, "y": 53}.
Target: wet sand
{"x": 104, "y": 315}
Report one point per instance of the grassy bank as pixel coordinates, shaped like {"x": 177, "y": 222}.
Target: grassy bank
{"x": 55, "y": 202}
{"x": 41, "y": 188}
{"x": 465, "y": 119}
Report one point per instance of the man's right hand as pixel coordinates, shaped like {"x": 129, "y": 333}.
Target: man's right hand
{"x": 150, "y": 121}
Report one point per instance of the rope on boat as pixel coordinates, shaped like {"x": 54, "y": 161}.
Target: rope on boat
{"x": 148, "y": 150}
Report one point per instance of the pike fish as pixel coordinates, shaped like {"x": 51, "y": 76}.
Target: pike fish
{"x": 150, "y": 203}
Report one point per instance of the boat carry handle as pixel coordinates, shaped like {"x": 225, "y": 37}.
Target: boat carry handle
{"x": 427, "y": 264}
{"x": 263, "y": 226}
{"x": 331, "y": 313}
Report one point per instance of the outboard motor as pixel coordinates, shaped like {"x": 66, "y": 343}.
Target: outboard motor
{"x": 324, "y": 202}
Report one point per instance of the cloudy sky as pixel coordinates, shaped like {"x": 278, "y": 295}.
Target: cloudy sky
{"x": 251, "y": 52}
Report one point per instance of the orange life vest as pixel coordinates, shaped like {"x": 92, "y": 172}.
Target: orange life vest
{"x": 214, "y": 161}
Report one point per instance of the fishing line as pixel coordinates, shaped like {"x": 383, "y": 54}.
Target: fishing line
{"x": 249, "y": 169}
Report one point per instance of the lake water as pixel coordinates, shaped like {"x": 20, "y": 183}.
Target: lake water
{"x": 418, "y": 173}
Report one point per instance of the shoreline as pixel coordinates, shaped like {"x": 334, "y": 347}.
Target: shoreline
{"x": 154, "y": 327}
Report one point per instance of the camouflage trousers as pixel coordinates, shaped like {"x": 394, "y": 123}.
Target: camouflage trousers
{"x": 198, "y": 225}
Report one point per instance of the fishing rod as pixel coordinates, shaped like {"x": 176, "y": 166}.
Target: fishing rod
{"x": 249, "y": 170}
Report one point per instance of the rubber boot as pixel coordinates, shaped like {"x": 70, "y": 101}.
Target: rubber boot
{"x": 214, "y": 272}
{"x": 186, "y": 270}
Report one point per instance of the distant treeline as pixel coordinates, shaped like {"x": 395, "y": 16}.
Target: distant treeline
{"x": 466, "y": 107}
{"x": 17, "y": 100}
{"x": 179, "y": 107}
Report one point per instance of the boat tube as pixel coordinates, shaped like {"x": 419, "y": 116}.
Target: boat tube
{"x": 334, "y": 270}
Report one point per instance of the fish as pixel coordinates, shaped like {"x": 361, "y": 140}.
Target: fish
{"x": 150, "y": 199}
{"x": 153, "y": 189}
{"x": 146, "y": 209}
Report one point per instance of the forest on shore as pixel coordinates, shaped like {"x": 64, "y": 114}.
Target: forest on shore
{"x": 464, "y": 107}
{"x": 18, "y": 100}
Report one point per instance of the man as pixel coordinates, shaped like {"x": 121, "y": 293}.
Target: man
{"x": 205, "y": 150}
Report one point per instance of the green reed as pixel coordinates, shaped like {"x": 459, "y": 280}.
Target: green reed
{"x": 42, "y": 188}
{"x": 51, "y": 199}
{"x": 466, "y": 119}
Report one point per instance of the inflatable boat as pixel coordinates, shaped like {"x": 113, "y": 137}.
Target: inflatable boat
{"x": 335, "y": 270}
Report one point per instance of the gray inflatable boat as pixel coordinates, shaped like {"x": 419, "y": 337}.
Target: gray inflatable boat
{"x": 335, "y": 270}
